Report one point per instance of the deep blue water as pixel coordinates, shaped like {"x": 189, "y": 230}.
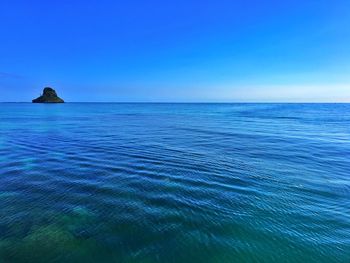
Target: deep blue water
{"x": 174, "y": 183}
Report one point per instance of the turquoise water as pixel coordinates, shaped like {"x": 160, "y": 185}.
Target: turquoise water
{"x": 175, "y": 183}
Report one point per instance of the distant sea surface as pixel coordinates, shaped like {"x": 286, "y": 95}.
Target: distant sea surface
{"x": 174, "y": 183}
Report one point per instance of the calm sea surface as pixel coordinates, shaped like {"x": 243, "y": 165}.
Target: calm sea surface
{"x": 174, "y": 183}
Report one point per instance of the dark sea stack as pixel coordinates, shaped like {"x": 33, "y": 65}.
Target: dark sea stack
{"x": 49, "y": 96}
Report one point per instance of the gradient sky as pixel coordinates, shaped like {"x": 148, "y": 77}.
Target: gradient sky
{"x": 190, "y": 51}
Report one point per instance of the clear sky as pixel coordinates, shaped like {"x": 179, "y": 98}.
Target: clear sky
{"x": 183, "y": 50}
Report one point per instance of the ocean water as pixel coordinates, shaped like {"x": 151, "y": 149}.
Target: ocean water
{"x": 174, "y": 183}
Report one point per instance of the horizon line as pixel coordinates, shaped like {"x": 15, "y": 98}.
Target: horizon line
{"x": 189, "y": 102}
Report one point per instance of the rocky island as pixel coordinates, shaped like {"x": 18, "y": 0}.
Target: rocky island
{"x": 49, "y": 96}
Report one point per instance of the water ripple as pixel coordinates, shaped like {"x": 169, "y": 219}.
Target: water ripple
{"x": 174, "y": 183}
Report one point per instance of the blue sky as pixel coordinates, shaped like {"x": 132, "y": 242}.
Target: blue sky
{"x": 181, "y": 51}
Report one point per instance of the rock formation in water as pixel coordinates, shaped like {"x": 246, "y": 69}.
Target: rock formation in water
{"x": 49, "y": 96}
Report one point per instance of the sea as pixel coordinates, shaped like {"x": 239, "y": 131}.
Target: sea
{"x": 177, "y": 183}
